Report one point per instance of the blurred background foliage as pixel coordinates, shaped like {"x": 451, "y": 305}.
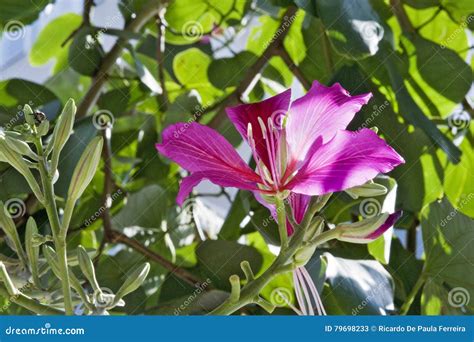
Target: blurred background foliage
{"x": 143, "y": 64}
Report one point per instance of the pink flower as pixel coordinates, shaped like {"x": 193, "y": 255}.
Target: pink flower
{"x": 303, "y": 148}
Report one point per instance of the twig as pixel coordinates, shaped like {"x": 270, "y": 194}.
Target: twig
{"x": 254, "y": 70}
{"x": 90, "y": 98}
{"x": 86, "y": 20}
{"x": 402, "y": 17}
{"x": 160, "y": 58}
{"x": 136, "y": 245}
{"x": 326, "y": 45}
{"x": 293, "y": 67}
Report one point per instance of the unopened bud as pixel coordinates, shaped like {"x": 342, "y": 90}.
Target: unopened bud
{"x": 87, "y": 267}
{"x": 133, "y": 281}
{"x": 85, "y": 169}
{"x": 366, "y": 230}
{"x": 32, "y": 250}
{"x": 20, "y": 147}
{"x": 369, "y": 189}
{"x": 61, "y": 133}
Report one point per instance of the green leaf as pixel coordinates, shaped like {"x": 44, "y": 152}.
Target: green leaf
{"x": 353, "y": 27}
{"x": 228, "y": 72}
{"x": 458, "y": 180}
{"x": 190, "y": 69}
{"x": 189, "y": 20}
{"x": 146, "y": 208}
{"x": 52, "y": 36}
{"x": 357, "y": 287}
{"x": 15, "y": 93}
{"x": 219, "y": 259}
{"x": 448, "y": 238}
{"x": 22, "y": 10}
{"x": 85, "y": 52}
{"x": 439, "y": 66}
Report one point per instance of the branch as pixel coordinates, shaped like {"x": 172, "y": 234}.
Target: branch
{"x": 254, "y": 70}
{"x": 29, "y": 303}
{"x": 150, "y": 10}
{"x": 402, "y": 17}
{"x": 160, "y": 58}
{"x": 175, "y": 270}
{"x": 293, "y": 67}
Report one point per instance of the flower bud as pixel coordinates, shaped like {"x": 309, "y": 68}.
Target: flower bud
{"x": 369, "y": 189}
{"x": 29, "y": 115}
{"x": 20, "y": 147}
{"x": 366, "y": 230}
{"x": 61, "y": 132}
{"x": 87, "y": 267}
{"x": 6, "y": 222}
{"x": 51, "y": 258}
{"x": 85, "y": 169}
{"x": 133, "y": 282}
{"x": 43, "y": 128}
{"x": 15, "y": 159}
{"x": 32, "y": 250}
{"x": 314, "y": 229}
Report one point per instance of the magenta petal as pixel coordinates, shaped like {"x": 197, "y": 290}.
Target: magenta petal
{"x": 275, "y": 107}
{"x": 319, "y": 115}
{"x": 391, "y": 219}
{"x": 198, "y": 148}
{"x": 216, "y": 177}
{"x": 349, "y": 159}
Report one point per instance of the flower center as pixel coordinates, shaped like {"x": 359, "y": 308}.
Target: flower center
{"x": 274, "y": 138}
